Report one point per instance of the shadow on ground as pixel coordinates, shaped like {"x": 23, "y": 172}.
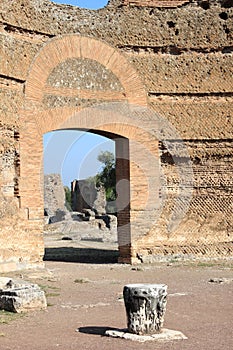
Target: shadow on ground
{"x": 96, "y": 330}
{"x": 81, "y": 255}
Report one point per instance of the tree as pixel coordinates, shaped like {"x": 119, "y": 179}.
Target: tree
{"x": 67, "y": 198}
{"x": 107, "y": 176}
{"x": 107, "y": 158}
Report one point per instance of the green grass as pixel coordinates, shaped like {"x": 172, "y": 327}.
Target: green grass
{"x": 50, "y": 291}
{"x": 50, "y": 304}
{"x": 6, "y": 317}
{"x": 201, "y": 263}
{"x": 53, "y": 287}
{"x": 81, "y": 280}
{"x": 215, "y": 263}
{"x": 49, "y": 295}
{"x": 206, "y": 264}
{"x": 43, "y": 287}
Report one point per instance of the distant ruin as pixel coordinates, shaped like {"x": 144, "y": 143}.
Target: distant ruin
{"x": 86, "y": 220}
{"x": 155, "y": 77}
{"x": 54, "y": 198}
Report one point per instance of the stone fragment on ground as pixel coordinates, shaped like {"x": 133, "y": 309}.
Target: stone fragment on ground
{"x": 164, "y": 335}
{"x": 20, "y": 296}
{"x": 220, "y": 280}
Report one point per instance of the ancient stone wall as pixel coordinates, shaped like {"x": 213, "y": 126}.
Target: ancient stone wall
{"x": 180, "y": 54}
{"x": 83, "y": 195}
{"x": 54, "y": 198}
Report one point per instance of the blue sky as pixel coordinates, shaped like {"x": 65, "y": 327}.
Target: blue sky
{"x": 73, "y": 154}
{"x": 90, "y": 4}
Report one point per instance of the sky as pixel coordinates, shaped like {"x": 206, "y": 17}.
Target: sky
{"x": 90, "y": 4}
{"x": 73, "y": 154}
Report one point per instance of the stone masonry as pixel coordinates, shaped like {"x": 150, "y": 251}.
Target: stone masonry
{"x": 54, "y": 198}
{"x": 154, "y": 76}
{"x": 83, "y": 195}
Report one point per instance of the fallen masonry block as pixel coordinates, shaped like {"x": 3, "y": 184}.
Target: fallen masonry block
{"x": 20, "y": 296}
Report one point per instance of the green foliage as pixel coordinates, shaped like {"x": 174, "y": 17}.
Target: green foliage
{"x": 107, "y": 176}
{"x": 68, "y": 198}
{"x": 107, "y": 158}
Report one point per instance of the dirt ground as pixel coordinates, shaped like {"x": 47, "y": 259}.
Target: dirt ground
{"x": 84, "y": 295}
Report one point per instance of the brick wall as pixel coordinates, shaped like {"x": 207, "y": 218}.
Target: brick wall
{"x": 163, "y": 76}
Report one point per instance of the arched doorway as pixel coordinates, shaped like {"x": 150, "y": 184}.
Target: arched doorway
{"x": 81, "y": 83}
{"x": 82, "y": 165}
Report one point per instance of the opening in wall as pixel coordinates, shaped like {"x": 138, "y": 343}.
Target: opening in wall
{"x": 80, "y": 196}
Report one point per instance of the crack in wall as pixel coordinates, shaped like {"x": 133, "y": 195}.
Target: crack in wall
{"x": 171, "y": 4}
{"x": 172, "y": 50}
{"x": 156, "y": 3}
{"x": 7, "y": 80}
{"x": 32, "y": 34}
{"x": 191, "y": 94}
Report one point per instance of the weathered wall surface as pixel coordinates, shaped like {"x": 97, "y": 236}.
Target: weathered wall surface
{"x": 54, "y": 198}
{"x": 83, "y": 195}
{"x": 183, "y": 56}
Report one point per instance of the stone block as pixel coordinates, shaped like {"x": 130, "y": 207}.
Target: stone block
{"x": 20, "y": 296}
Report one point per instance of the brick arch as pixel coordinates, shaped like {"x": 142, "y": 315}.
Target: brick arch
{"x": 112, "y": 120}
{"x": 62, "y": 48}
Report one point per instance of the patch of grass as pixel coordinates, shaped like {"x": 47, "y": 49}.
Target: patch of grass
{"x": 47, "y": 289}
{"x": 215, "y": 263}
{"x": 219, "y": 263}
{"x": 81, "y": 280}
{"x": 43, "y": 287}
{"x": 50, "y": 304}
{"x": 206, "y": 264}
{"x": 6, "y": 317}
{"x": 173, "y": 261}
{"x": 52, "y": 294}
{"x": 53, "y": 288}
